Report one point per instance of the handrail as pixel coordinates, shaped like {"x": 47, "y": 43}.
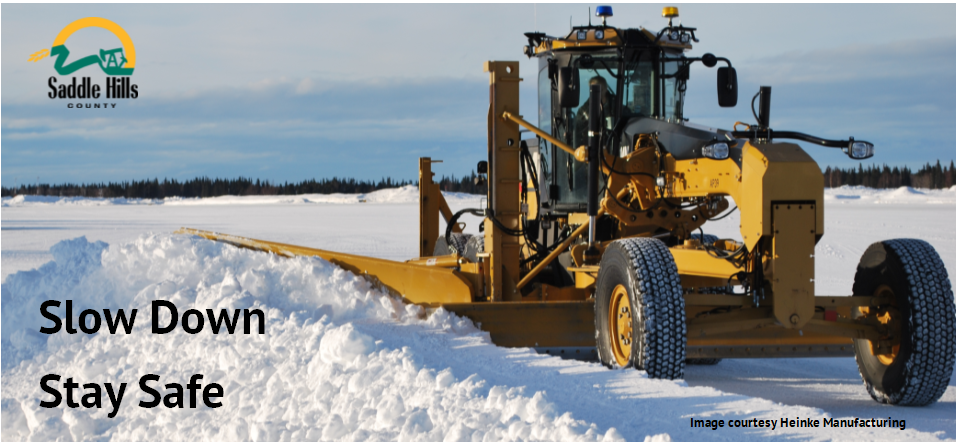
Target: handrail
{"x": 508, "y": 116}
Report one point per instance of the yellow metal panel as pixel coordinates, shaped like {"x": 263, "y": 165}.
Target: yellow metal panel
{"x": 706, "y": 177}
{"x": 503, "y": 180}
{"x": 417, "y": 284}
{"x": 532, "y": 324}
{"x": 750, "y": 196}
{"x": 699, "y": 263}
{"x": 584, "y": 279}
{"x": 552, "y": 293}
{"x": 792, "y": 263}
{"x": 578, "y": 218}
{"x": 772, "y": 173}
{"x": 449, "y": 261}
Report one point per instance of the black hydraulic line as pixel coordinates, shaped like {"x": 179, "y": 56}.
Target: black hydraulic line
{"x": 532, "y": 172}
{"x": 724, "y": 215}
{"x": 594, "y": 129}
{"x": 454, "y": 220}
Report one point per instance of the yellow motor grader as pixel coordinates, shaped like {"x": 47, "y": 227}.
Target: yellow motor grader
{"x": 593, "y": 242}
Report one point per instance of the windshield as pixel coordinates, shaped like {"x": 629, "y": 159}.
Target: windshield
{"x": 637, "y": 90}
{"x": 672, "y": 95}
{"x": 571, "y": 175}
{"x": 601, "y": 70}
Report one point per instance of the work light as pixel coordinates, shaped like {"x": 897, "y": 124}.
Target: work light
{"x": 859, "y": 150}
{"x": 716, "y": 150}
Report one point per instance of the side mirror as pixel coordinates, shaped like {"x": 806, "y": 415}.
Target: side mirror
{"x": 569, "y": 94}
{"x": 727, "y": 87}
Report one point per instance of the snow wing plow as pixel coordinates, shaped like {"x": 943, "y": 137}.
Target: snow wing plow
{"x": 593, "y": 241}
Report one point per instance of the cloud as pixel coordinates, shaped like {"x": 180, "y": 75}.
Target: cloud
{"x": 295, "y": 131}
{"x": 895, "y": 60}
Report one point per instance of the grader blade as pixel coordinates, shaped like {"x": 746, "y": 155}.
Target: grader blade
{"x": 417, "y": 284}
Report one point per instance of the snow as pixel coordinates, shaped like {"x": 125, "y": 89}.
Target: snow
{"x": 406, "y": 194}
{"x": 903, "y": 195}
{"x": 342, "y": 361}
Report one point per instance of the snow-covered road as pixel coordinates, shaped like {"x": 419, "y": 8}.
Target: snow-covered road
{"x": 340, "y": 361}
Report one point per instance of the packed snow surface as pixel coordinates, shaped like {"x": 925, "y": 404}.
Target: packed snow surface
{"x": 340, "y": 360}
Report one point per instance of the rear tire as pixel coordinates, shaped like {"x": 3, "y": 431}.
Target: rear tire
{"x": 708, "y": 239}
{"x": 638, "y": 284}
{"x": 475, "y": 245}
{"x": 458, "y": 241}
{"x": 921, "y": 319}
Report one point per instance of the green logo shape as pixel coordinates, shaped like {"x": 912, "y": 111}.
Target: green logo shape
{"x": 111, "y": 61}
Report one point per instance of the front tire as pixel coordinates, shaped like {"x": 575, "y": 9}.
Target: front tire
{"x": 915, "y": 366}
{"x": 639, "y": 309}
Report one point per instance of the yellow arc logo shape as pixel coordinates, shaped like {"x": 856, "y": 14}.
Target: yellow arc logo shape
{"x": 128, "y": 49}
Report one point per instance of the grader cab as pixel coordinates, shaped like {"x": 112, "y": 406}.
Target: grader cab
{"x": 594, "y": 240}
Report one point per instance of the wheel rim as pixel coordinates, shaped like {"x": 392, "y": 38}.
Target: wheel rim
{"x": 621, "y": 324}
{"x": 890, "y": 317}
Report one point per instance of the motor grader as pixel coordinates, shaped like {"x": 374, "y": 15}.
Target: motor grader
{"x": 593, "y": 241}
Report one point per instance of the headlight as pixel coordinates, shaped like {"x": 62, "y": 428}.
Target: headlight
{"x": 859, "y": 150}
{"x": 716, "y": 151}
{"x": 599, "y": 34}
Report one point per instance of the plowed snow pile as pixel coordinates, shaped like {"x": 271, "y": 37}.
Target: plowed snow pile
{"x": 312, "y": 376}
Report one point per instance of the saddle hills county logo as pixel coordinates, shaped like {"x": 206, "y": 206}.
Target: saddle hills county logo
{"x": 118, "y": 64}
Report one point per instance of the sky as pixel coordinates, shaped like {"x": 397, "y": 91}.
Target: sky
{"x": 293, "y": 92}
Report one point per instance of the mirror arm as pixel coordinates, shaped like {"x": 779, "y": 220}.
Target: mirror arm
{"x": 766, "y": 134}
{"x": 690, "y": 60}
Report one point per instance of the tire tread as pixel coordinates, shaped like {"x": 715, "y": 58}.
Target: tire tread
{"x": 932, "y": 322}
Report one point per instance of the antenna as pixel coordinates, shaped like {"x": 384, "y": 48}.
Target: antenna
{"x": 535, "y": 17}
{"x": 589, "y": 16}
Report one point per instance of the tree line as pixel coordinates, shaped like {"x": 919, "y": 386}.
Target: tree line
{"x": 206, "y": 187}
{"x": 874, "y": 176}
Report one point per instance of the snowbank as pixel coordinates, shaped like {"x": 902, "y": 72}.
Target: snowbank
{"x": 28, "y": 200}
{"x": 406, "y": 194}
{"x": 409, "y": 194}
{"x": 903, "y": 195}
{"x": 313, "y": 375}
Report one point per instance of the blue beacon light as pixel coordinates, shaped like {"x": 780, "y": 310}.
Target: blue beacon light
{"x": 604, "y": 12}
